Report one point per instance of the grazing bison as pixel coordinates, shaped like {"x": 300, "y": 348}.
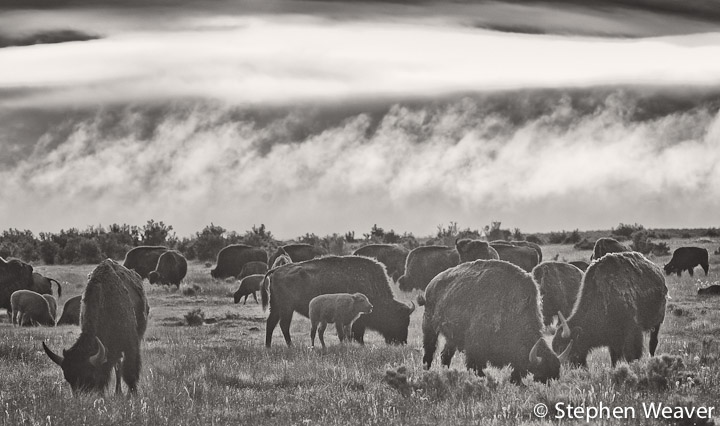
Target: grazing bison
{"x": 522, "y": 256}
{"x": 43, "y": 284}
{"x": 470, "y": 250}
{"x": 713, "y": 290}
{"x": 30, "y": 307}
{"x": 253, "y": 268}
{"x": 580, "y": 264}
{"x": 249, "y": 285}
{"x": 114, "y": 315}
{"x": 294, "y": 285}
{"x": 14, "y": 275}
{"x": 298, "y": 252}
{"x": 232, "y": 258}
{"x": 393, "y": 256}
{"x": 423, "y": 263}
{"x": 604, "y": 246}
{"x": 342, "y": 309}
{"x": 686, "y": 259}
{"x": 143, "y": 259}
{"x": 622, "y": 295}
{"x": 559, "y": 283}
{"x": 489, "y": 309}
{"x": 171, "y": 268}
{"x": 71, "y": 312}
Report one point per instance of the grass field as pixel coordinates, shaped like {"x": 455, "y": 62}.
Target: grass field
{"x": 221, "y": 372}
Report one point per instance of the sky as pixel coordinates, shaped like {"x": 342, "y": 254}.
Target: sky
{"x": 328, "y": 117}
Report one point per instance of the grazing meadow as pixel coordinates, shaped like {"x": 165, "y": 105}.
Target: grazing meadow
{"x": 205, "y": 362}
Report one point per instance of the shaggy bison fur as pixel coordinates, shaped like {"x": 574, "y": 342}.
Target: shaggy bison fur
{"x": 113, "y": 317}
{"x": 29, "y": 307}
{"x": 523, "y": 256}
{"x": 622, "y": 295}
{"x": 341, "y": 309}
{"x": 393, "y": 256}
{"x": 253, "y": 268}
{"x": 14, "y": 275}
{"x": 294, "y": 285}
{"x": 249, "y": 285}
{"x": 143, "y": 259}
{"x": 71, "y": 311}
{"x": 424, "y": 263}
{"x": 559, "y": 283}
{"x": 606, "y": 245}
{"x": 298, "y": 252}
{"x": 490, "y": 309}
{"x": 470, "y": 250}
{"x": 232, "y": 258}
{"x": 171, "y": 268}
{"x": 686, "y": 259}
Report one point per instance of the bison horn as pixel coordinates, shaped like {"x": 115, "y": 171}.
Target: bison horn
{"x": 563, "y": 357}
{"x": 99, "y": 358}
{"x": 57, "y": 359}
{"x": 566, "y": 328}
{"x": 534, "y": 358}
{"x": 411, "y": 307}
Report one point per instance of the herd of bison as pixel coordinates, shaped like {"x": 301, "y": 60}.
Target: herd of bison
{"x": 489, "y": 300}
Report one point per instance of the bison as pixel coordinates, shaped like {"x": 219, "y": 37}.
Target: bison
{"x": 249, "y": 285}
{"x": 523, "y": 256}
{"x": 424, "y": 263}
{"x": 298, "y": 252}
{"x": 559, "y": 283}
{"x": 606, "y": 245}
{"x": 253, "y": 268}
{"x": 113, "y": 317}
{"x": 71, "y": 311}
{"x": 143, "y": 259}
{"x": 522, "y": 243}
{"x": 713, "y": 290}
{"x": 43, "y": 284}
{"x": 171, "y": 268}
{"x": 14, "y": 275}
{"x": 470, "y": 250}
{"x": 580, "y": 264}
{"x": 232, "y": 258}
{"x": 30, "y": 307}
{"x": 622, "y": 295}
{"x": 393, "y": 256}
{"x": 294, "y": 285}
{"x": 490, "y": 310}
{"x": 342, "y": 309}
{"x": 686, "y": 259}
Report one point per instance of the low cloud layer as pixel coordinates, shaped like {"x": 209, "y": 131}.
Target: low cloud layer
{"x": 539, "y": 161}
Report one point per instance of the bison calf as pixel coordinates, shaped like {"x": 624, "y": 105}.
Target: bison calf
{"x": 249, "y": 285}
{"x": 340, "y": 308}
{"x": 28, "y": 306}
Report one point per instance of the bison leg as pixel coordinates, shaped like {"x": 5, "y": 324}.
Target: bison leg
{"x": 654, "y": 339}
{"x": 615, "y": 355}
{"x": 321, "y": 333}
{"x": 430, "y": 338}
{"x": 679, "y": 272}
{"x": 706, "y": 268}
{"x": 340, "y": 330}
{"x": 285, "y": 320}
{"x": 358, "y": 330}
{"x": 245, "y": 301}
{"x": 690, "y": 271}
{"x": 272, "y": 321}
{"x": 131, "y": 369}
{"x": 118, "y": 385}
{"x": 632, "y": 349}
{"x": 447, "y": 354}
{"x": 254, "y": 297}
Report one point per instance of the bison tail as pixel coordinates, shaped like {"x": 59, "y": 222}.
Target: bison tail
{"x": 60, "y": 287}
{"x": 264, "y": 290}
{"x": 421, "y": 300}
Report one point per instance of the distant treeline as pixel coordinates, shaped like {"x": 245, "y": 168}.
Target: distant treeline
{"x": 96, "y": 243}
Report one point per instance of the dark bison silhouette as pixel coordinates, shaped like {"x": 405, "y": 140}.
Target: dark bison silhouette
{"x": 490, "y": 310}
{"x": 713, "y": 290}
{"x": 607, "y": 245}
{"x": 525, "y": 257}
{"x": 580, "y": 264}
{"x": 559, "y": 283}
{"x": 293, "y": 286}
{"x": 686, "y": 259}
{"x": 114, "y": 315}
{"x": 171, "y": 268}
{"x": 424, "y": 263}
{"x": 15, "y": 275}
{"x": 143, "y": 259}
{"x": 622, "y": 295}
{"x": 71, "y": 311}
{"x": 231, "y": 259}
{"x": 393, "y": 256}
